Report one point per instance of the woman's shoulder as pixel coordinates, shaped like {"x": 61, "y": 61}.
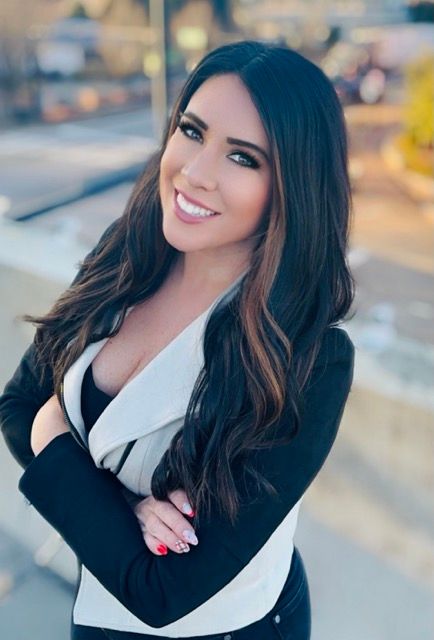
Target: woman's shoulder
{"x": 336, "y": 346}
{"x": 331, "y": 376}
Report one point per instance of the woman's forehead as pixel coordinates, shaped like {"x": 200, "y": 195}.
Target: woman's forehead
{"x": 224, "y": 104}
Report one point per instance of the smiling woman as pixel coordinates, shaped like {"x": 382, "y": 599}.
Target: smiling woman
{"x": 188, "y": 386}
{"x": 205, "y": 171}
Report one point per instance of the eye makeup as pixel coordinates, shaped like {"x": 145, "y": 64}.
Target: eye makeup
{"x": 249, "y": 161}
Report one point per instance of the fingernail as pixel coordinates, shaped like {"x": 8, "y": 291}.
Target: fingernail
{"x": 190, "y": 536}
{"x": 182, "y": 546}
{"x": 187, "y": 508}
{"x": 162, "y": 549}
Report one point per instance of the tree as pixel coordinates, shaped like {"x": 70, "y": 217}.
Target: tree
{"x": 420, "y": 101}
{"x": 416, "y": 143}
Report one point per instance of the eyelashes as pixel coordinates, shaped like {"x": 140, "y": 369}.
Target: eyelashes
{"x": 185, "y": 126}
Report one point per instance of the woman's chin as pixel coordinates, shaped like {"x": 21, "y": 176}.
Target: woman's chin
{"x": 180, "y": 242}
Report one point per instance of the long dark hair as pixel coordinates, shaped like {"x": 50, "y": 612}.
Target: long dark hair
{"x": 259, "y": 346}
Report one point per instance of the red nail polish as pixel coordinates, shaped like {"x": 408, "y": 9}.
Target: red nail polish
{"x": 162, "y": 549}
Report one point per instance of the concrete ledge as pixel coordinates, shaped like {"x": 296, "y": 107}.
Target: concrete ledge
{"x": 54, "y": 256}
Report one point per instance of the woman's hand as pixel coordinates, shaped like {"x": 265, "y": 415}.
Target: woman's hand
{"x": 162, "y": 524}
{"x": 161, "y": 521}
{"x": 48, "y": 423}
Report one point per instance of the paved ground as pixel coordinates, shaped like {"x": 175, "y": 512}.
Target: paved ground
{"x": 36, "y": 603}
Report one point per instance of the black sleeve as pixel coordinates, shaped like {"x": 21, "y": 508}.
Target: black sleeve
{"x": 28, "y": 390}
{"x": 22, "y": 398}
{"x": 84, "y": 504}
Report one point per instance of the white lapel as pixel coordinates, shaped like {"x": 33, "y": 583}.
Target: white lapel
{"x": 157, "y": 396}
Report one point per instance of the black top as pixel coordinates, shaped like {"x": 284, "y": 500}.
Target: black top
{"x": 93, "y": 400}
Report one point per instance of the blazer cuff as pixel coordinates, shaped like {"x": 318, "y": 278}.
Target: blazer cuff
{"x": 44, "y": 469}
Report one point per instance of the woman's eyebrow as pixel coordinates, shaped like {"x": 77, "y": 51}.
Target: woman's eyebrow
{"x": 243, "y": 143}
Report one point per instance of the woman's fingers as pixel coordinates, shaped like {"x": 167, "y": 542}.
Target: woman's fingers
{"x": 160, "y": 538}
{"x": 180, "y": 500}
{"x": 154, "y": 545}
{"x": 172, "y": 519}
{"x": 161, "y": 515}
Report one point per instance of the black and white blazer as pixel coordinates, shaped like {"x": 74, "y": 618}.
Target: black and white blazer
{"x": 234, "y": 576}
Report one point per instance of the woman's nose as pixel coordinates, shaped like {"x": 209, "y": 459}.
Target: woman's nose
{"x": 200, "y": 172}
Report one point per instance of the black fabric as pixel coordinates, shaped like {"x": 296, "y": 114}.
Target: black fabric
{"x": 86, "y": 506}
{"x": 289, "y": 619}
{"x": 22, "y": 398}
{"x": 93, "y": 400}
{"x": 80, "y": 632}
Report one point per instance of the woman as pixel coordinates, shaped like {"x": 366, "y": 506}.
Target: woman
{"x": 196, "y": 361}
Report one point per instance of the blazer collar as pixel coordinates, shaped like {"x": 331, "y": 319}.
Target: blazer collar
{"x": 156, "y": 396}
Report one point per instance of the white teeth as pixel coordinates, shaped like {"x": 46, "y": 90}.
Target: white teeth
{"x": 192, "y": 209}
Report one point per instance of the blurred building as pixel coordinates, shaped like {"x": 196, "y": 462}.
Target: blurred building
{"x": 66, "y": 59}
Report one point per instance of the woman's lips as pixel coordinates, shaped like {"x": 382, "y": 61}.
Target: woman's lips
{"x": 185, "y": 217}
{"x": 194, "y": 201}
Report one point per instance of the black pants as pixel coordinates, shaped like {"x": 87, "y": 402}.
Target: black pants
{"x": 289, "y": 619}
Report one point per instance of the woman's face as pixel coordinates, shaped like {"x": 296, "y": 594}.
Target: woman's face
{"x": 215, "y": 172}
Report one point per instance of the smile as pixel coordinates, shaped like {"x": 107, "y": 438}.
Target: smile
{"x": 192, "y": 209}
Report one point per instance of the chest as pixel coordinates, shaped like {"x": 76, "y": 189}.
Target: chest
{"x": 147, "y": 330}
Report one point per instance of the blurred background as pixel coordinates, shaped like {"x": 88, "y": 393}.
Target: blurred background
{"x": 85, "y": 88}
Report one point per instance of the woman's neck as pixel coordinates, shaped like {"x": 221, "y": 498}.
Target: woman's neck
{"x": 195, "y": 273}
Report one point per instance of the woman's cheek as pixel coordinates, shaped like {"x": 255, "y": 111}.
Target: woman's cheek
{"x": 249, "y": 198}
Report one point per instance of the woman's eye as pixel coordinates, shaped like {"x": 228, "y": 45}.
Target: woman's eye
{"x": 246, "y": 160}
{"x": 188, "y": 130}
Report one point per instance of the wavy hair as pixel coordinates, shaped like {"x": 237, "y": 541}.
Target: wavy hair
{"x": 260, "y": 346}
